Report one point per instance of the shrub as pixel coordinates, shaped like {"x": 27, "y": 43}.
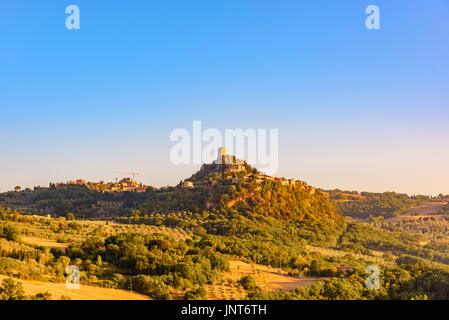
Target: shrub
{"x": 196, "y": 294}
{"x": 151, "y": 286}
{"x": 248, "y": 283}
{"x": 41, "y": 296}
{"x": 10, "y": 233}
{"x": 11, "y": 290}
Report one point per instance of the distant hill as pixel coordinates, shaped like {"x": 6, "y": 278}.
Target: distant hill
{"x": 222, "y": 188}
{"x": 367, "y": 204}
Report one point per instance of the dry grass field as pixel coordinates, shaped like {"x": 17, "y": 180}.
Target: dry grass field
{"x": 43, "y": 231}
{"x": 267, "y": 278}
{"x": 425, "y": 210}
{"x": 57, "y": 290}
{"x": 340, "y": 253}
{"x": 348, "y": 196}
{"x": 176, "y": 233}
{"x": 46, "y": 243}
{"x": 424, "y": 220}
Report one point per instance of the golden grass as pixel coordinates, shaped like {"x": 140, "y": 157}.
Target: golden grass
{"x": 176, "y": 233}
{"x": 32, "y": 287}
{"x": 425, "y": 210}
{"x": 47, "y": 229}
{"x": 267, "y": 278}
{"x": 340, "y": 253}
{"x": 46, "y": 243}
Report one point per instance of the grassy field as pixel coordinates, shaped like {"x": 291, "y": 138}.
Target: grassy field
{"x": 425, "y": 220}
{"x": 377, "y": 258}
{"x": 46, "y": 243}
{"x": 57, "y": 290}
{"x": 178, "y": 234}
{"x": 45, "y": 228}
{"x": 423, "y": 211}
{"x": 267, "y": 278}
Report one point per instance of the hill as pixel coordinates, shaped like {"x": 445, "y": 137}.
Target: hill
{"x": 365, "y": 204}
{"x": 215, "y": 188}
{"x": 196, "y": 239}
{"x": 247, "y": 191}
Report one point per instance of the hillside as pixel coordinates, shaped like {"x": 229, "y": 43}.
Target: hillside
{"x": 227, "y": 231}
{"x": 214, "y": 187}
{"x": 59, "y": 291}
{"x": 246, "y": 191}
{"x": 367, "y": 204}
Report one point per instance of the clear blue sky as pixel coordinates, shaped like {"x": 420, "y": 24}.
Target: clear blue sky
{"x": 356, "y": 109}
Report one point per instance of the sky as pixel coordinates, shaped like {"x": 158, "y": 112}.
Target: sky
{"x": 355, "y": 109}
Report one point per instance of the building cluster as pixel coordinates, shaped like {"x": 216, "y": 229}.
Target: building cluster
{"x": 187, "y": 184}
{"x": 126, "y": 184}
{"x": 229, "y": 164}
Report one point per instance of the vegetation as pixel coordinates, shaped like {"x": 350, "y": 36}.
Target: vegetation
{"x": 196, "y": 294}
{"x": 178, "y": 241}
{"x": 366, "y": 204}
{"x": 12, "y": 290}
{"x": 248, "y": 283}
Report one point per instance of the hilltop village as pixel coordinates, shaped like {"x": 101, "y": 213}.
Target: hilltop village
{"x": 226, "y": 169}
{"x": 126, "y": 184}
{"x": 229, "y": 170}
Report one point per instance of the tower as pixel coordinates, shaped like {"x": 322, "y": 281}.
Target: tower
{"x": 222, "y": 155}
{"x": 222, "y": 152}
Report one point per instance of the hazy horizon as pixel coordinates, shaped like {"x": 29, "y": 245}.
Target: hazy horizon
{"x": 194, "y": 168}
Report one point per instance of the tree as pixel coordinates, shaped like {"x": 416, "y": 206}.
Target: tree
{"x": 17, "y": 188}
{"x": 10, "y": 233}
{"x": 201, "y": 231}
{"x": 135, "y": 214}
{"x": 248, "y": 283}
{"x": 70, "y": 216}
{"x": 300, "y": 262}
{"x": 99, "y": 262}
{"x": 153, "y": 287}
{"x": 11, "y": 290}
{"x": 42, "y": 296}
{"x": 196, "y": 294}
